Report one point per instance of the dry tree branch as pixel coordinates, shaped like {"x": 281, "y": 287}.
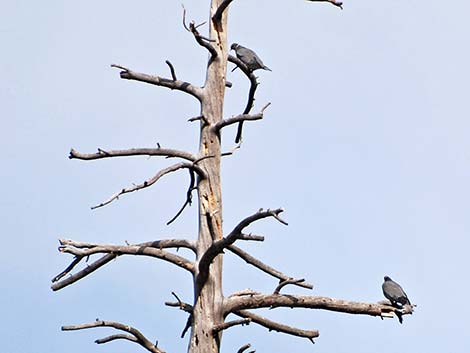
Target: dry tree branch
{"x": 69, "y": 268}
{"x": 263, "y": 267}
{"x": 180, "y": 304}
{"x": 218, "y": 246}
{"x": 189, "y": 197}
{"x": 217, "y": 328}
{"x": 116, "y": 337}
{"x": 275, "y": 326}
{"x": 240, "y": 118}
{"x": 152, "y": 180}
{"x": 286, "y": 282}
{"x": 164, "y": 152}
{"x": 244, "y": 348}
{"x": 138, "y": 337}
{"x": 333, "y": 2}
{"x": 218, "y": 14}
{"x": 160, "y": 81}
{"x": 201, "y": 40}
{"x": 251, "y": 94}
{"x": 233, "y": 304}
{"x": 83, "y": 273}
{"x": 185, "y": 307}
{"x": 145, "y": 249}
{"x": 153, "y": 249}
{"x": 172, "y": 70}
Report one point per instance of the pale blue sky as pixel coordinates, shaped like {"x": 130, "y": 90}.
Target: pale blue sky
{"x": 365, "y": 145}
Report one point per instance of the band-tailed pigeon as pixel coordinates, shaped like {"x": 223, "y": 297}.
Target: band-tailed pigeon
{"x": 248, "y": 57}
{"x": 394, "y": 292}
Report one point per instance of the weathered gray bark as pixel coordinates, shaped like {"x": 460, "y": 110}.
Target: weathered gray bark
{"x": 207, "y": 309}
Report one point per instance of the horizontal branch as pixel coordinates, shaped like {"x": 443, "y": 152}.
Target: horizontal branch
{"x": 165, "y": 152}
{"x": 153, "y": 180}
{"x": 233, "y": 304}
{"x": 139, "y": 337}
{"x": 160, "y": 81}
{"x": 240, "y": 118}
{"x": 275, "y": 326}
{"x": 151, "y": 249}
{"x": 263, "y": 267}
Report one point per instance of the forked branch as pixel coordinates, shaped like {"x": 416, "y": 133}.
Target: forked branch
{"x": 84, "y": 250}
{"x": 201, "y": 40}
{"x": 135, "y": 335}
{"x": 182, "y": 86}
{"x": 237, "y": 233}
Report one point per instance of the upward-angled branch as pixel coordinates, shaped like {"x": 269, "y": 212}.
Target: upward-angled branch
{"x": 201, "y": 40}
{"x": 137, "y": 336}
{"x": 237, "y": 233}
{"x": 165, "y": 152}
{"x": 160, "y": 81}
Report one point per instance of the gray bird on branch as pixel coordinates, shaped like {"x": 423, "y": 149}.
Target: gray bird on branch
{"x": 394, "y": 292}
{"x": 248, "y": 57}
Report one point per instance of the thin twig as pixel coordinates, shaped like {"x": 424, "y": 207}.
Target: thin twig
{"x": 217, "y": 328}
{"x": 83, "y": 273}
{"x": 151, "y": 181}
{"x": 172, "y": 70}
{"x": 286, "y": 282}
{"x": 189, "y": 196}
{"x": 244, "y": 348}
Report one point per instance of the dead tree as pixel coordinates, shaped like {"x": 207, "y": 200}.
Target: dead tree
{"x": 209, "y": 312}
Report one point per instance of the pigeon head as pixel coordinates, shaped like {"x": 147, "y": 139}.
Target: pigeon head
{"x": 386, "y": 278}
{"x": 234, "y": 46}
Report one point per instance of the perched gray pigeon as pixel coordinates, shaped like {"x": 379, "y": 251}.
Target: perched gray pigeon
{"x": 248, "y": 57}
{"x": 394, "y": 292}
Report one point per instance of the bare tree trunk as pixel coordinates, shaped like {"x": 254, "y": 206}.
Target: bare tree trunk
{"x": 207, "y": 309}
